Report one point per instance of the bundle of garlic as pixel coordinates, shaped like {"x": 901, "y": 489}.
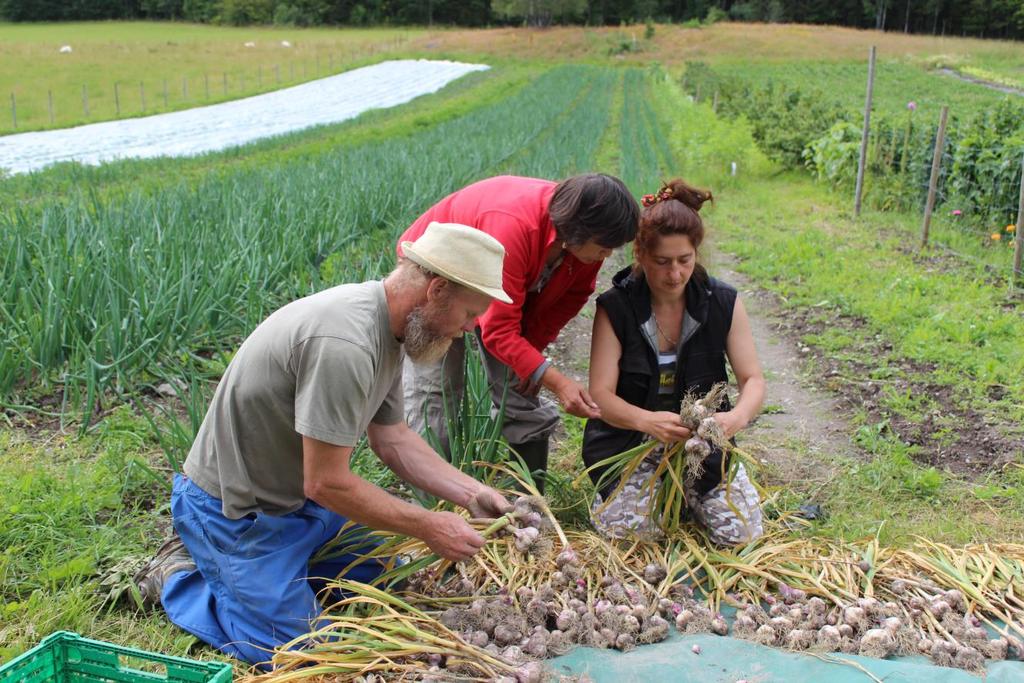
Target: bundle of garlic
{"x": 679, "y": 465}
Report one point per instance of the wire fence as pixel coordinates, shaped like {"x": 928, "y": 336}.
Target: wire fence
{"x": 978, "y": 184}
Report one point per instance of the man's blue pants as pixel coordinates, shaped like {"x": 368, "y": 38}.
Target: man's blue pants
{"x": 253, "y": 588}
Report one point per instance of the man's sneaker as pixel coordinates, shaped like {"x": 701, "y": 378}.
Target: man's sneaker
{"x": 170, "y": 559}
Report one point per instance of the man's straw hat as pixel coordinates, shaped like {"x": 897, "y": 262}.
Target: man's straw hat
{"x": 461, "y": 254}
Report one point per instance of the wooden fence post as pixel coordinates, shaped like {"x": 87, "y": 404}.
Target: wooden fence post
{"x": 142, "y": 94}
{"x": 165, "y": 93}
{"x": 862, "y": 162}
{"x": 277, "y": 72}
{"x": 933, "y": 181}
{"x": 49, "y": 105}
{"x": 1018, "y": 242}
{"x": 85, "y": 101}
{"x": 184, "y": 88}
{"x": 714, "y": 102}
{"x": 14, "y": 112}
{"x": 206, "y": 81}
{"x": 117, "y": 99}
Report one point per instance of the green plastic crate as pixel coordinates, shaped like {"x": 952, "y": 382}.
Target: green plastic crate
{"x": 65, "y": 657}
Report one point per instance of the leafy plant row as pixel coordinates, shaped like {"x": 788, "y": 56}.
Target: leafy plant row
{"x": 101, "y": 296}
{"x": 802, "y": 126}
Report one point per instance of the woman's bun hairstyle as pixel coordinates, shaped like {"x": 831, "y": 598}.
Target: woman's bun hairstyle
{"x": 674, "y": 210}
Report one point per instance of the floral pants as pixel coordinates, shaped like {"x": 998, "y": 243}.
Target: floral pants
{"x": 627, "y": 514}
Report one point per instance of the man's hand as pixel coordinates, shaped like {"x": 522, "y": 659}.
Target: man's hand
{"x": 451, "y": 536}
{"x": 488, "y": 504}
{"x": 665, "y": 427}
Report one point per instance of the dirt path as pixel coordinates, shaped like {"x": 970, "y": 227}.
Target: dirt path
{"x": 799, "y": 433}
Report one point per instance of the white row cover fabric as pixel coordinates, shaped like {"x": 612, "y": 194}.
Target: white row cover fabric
{"x": 219, "y": 126}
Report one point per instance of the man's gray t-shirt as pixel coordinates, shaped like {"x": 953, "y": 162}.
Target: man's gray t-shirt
{"x": 324, "y": 366}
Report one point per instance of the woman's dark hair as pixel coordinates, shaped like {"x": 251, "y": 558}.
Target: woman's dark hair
{"x": 672, "y": 211}
{"x": 594, "y": 207}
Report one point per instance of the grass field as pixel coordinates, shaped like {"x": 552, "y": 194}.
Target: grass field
{"x": 99, "y": 305}
{"x": 172, "y": 66}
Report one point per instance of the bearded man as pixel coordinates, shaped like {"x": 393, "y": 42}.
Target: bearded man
{"x": 268, "y": 480}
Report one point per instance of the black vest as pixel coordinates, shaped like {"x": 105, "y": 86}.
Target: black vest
{"x": 700, "y": 364}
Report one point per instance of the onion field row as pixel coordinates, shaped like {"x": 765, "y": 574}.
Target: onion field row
{"x": 101, "y": 297}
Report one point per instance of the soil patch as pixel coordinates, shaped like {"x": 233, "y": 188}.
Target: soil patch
{"x": 945, "y": 432}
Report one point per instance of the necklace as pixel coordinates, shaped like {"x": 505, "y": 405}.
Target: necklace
{"x": 670, "y": 340}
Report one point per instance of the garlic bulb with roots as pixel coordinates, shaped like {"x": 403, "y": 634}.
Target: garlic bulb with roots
{"x": 791, "y": 595}
{"x": 998, "y": 648}
{"x": 943, "y": 652}
{"x": 765, "y": 635}
{"x": 567, "y": 620}
{"x": 816, "y": 605}
{"x": 711, "y": 431}
{"x": 526, "y": 537}
{"x": 829, "y": 638}
{"x": 800, "y": 639}
{"x": 513, "y": 654}
{"x": 955, "y": 599}
{"x": 855, "y": 616}
{"x": 939, "y": 608}
{"x": 695, "y": 446}
{"x": 567, "y": 556}
{"x": 505, "y": 634}
{"x": 655, "y": 630}
{"x": 531, "y": 672}
{"x": 877, "y": 642}
{"x": 537, "y": 645}
{"x": 1016, "y": 647}
{"x": 654, "y": 574}
{"x": 744, "y": 626}
{"x": 782, "y": 625}
{"x": 969, "y": 659}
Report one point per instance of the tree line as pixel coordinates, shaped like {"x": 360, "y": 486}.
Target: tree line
{"x": 982, "y": 18}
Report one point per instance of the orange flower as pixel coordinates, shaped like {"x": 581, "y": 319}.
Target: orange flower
{"x": 1011, "y": 228}
{"x": 996, "y": 236}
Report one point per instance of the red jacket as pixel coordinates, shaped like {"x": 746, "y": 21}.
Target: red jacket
{"x": 514, "y": 211}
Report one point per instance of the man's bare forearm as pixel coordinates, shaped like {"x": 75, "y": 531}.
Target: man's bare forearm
{"x": 356, "y": 499}
{"x": 412, "y": 459}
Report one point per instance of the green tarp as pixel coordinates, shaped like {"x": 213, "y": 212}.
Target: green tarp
{"x": 727, "y": 660}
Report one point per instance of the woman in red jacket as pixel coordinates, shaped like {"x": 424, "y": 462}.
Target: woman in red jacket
{"x": 556, "y": 235}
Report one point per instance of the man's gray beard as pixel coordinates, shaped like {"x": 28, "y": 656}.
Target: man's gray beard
{"x": 422, "y": 344}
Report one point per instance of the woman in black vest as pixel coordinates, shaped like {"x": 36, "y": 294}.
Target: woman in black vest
{"x": 663, "y": 330}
